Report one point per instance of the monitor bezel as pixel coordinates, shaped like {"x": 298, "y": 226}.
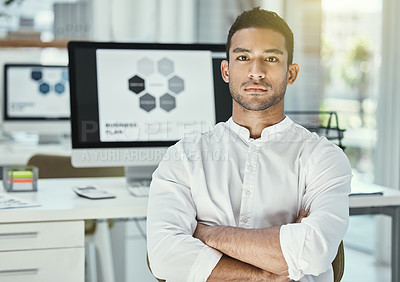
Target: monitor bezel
{"x": 73, "y": 45}
{"x": 15, "y": 120}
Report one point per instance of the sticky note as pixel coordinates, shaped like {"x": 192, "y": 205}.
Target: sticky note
{"x": 20, "y": 174}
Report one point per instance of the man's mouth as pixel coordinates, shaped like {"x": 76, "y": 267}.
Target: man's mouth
{"x": 255, "y": 88}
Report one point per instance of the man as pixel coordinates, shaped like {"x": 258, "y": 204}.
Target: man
{"x": 274, "y": 205}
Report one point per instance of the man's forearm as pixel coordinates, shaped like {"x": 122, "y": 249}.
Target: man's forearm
{"x": 230, "y": 269}
{"x": 258, "y": 247}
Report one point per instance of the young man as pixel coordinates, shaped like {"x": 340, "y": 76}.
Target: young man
{"x": 274, "y": 205}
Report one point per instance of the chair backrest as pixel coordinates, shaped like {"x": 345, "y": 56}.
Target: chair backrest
{"x": 338, "y": 264}
{"x": 56, "y": 166}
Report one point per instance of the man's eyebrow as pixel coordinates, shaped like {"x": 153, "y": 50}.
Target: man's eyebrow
{"x": 274, "y": 50}
{"x": 241, "y": 50}
{"x": 244, "y": 50}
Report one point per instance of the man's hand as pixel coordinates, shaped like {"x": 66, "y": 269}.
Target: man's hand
{"x": 302, "y": 214}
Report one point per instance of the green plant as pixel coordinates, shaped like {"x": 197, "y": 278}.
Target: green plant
{"x": 8, "y": 2}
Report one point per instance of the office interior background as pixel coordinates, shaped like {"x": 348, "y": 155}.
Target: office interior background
{"x": 348, "y": 57}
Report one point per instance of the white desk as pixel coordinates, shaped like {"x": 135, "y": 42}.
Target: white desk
{"x": 60, "y": 204}
{"x": 387, "y": 204}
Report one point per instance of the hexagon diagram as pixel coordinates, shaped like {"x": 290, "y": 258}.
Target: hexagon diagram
{"x": 165, "y": 66}
{"x": 44, "y": 88}
{"x": 59, "y": 88}
{"x": 167, "y": 102}
{"x": 36, "y": 75}
{"x": 136, "y": 84}
{"x": 145, "y": 66}
{"x": 175, "y": 84}
{"x": 147, "y": 102}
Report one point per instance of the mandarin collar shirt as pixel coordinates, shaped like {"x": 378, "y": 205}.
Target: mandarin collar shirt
{"x": 223, "y": 177}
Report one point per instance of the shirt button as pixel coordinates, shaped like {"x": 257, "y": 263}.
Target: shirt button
{"x": 248, "y": 193}
{"x": 244, "y": 219}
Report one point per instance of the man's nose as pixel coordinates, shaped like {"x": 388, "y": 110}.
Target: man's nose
{"x": 257, "y": 70}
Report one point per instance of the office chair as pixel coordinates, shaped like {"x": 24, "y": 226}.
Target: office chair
{"x": 56, "y": 166}
{"x": 337, "y": 265}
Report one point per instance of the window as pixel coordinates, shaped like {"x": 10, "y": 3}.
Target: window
{"x": 351, "y": 56}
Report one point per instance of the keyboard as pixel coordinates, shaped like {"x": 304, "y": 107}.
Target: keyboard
{"x": 139, "y": 188}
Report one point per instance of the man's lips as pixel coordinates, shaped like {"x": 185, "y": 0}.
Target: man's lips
{"x": 255, "y": 88}
{"x": 259, "y": 87}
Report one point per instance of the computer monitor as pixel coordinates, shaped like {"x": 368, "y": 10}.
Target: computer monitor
{"x": 130, "y": 101}
{"x": 36, "y": 99}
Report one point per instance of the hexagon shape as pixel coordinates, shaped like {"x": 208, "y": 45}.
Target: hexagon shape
{"x": 136, "y": 84}
{"x": 167, "y": 102}
{"x": 165, "y": 66}
{"x": 147, "y": 102}
{"x": 176, "y": 84}
{"x": 36, "y": 75}
{"x": 44, "y": 88}
{"x": 145, "y": 66}
{"x": 59, "y": 88}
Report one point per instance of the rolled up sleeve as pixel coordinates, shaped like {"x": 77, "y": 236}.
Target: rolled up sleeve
{"x": 309, "y": 247}
{"x": 174, "y": 254}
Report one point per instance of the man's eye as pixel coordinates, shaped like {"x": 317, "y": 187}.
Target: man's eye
{"x": 243, "y": 58}
{"x": 272, "y": 59}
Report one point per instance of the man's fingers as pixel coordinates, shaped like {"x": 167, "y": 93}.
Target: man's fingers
{"x": 302, "y": 214}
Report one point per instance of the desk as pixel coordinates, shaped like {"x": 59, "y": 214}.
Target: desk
{"x": 60, "y": 204}
{"x": 387, "y": 204}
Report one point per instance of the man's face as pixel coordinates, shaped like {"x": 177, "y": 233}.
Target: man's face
{"x": 258, "y": 71}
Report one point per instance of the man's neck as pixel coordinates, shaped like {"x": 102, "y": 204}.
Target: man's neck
{"x": 256, "y": 121}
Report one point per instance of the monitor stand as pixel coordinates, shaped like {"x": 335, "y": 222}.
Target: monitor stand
{"x": 134, "y": 174}
{"x": 50, "y": 139}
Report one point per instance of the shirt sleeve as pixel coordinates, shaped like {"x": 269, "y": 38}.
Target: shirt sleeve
{"x": 309, "y": 247}
{"x": 174, "y": 254}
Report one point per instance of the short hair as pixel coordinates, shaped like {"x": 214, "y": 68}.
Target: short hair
{"x": 258, "y": 17}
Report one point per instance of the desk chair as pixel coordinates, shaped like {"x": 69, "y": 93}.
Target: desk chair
{"x": 337, "y": 265}
{"x": 55, "y": 166}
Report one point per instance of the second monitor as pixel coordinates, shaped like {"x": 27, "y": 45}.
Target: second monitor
{"x": 36, "y": 99}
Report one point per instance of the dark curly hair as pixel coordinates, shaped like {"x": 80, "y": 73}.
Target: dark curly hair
{"x": 258, "y": 17}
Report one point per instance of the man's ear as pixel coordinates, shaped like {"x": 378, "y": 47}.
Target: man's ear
{"x": 225, "y": 70}
{"x": 293, "y": 71}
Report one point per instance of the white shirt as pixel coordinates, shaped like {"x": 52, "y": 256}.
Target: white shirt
{"x": 224, "y": 177}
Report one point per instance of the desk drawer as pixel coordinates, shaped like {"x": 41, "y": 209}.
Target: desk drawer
{"x": 42, "y": 235}
{"x": 61, "y": 265}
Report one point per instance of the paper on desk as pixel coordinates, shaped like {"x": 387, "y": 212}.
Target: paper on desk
{"x": 365, "y": 191}
{"x": 9, "y": 202}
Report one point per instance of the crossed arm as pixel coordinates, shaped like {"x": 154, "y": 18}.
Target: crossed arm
{"x": 252, "y": 254}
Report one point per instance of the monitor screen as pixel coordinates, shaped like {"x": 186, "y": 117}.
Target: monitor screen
{"x": 36, "y": 98}
{"x": 130, "y": 101}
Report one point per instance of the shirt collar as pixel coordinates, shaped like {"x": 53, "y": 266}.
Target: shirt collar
{"x": 244, "y": 133}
